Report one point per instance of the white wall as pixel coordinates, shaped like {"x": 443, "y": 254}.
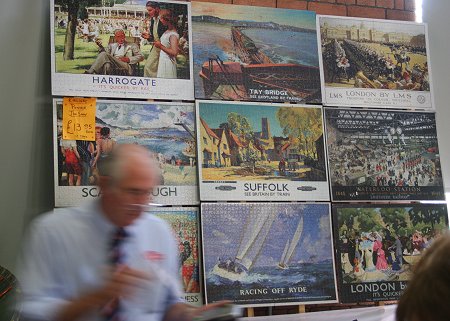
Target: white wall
{"x": 25, "y": 120}
{"x": 26, "y": 163}
{"x": 436, "y": 15}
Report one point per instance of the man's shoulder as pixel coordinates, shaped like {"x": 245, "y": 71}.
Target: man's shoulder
{"x": 61, "y": 219}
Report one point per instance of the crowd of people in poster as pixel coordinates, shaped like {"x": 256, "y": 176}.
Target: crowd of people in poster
{"x": 243, "y": 151}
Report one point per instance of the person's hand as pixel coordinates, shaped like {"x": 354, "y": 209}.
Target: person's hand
{"x": 122, "y": 283}
{"x": 146, "y": 35}
{"x": 124, "y": 59}
{"x": 196, "y": 313}
{"x": 158, "y": 44}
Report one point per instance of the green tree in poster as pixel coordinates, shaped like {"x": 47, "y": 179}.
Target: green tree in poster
{"x": 304, "y": 124}
{"x": 75, "y": 9}
{"x": 240, "y": 126}
{"x": 427, "y": 215}
{"x": 397, "y": 218}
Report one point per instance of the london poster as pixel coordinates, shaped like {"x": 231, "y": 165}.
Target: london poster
{"x": 256, "y": 151}
{"x": 184, "y": 223}
{"x": 377, "y": 246}
{"x": 255, "y": 53}
{"x": 374, "y": 63}
{"x": 381, "y": 155}
{"x": 166, "y": 129}
{"x": 268, "y": 253}
{"x": 115, "y": 49}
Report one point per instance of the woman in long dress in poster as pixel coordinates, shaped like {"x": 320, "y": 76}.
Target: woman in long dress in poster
{"x": 167, "y": 66}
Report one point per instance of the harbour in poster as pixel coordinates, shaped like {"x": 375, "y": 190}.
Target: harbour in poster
{"x": 255, "y": 53}
{"x": 374, "y": 63}
{"x": 256, "y": 151}
{"x": 378, "y": 246}
{"x": 381, "y": 155}
{"x": 116, "y": 50}
{"x": 268, "y": 253}
{"x": 184, "y": 223}
{"x": 166, "y": 129}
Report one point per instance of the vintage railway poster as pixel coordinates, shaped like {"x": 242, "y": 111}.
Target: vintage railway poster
{"x": 268, "y": 253}
{"x": 167, "y": 129}
{"x": 121, "y": 49}
{"x": 374, "y": 63}
{"x": 184, "y": 222}
{"x": 380, "y": 155}
{"x": 378, "y": 245}
{"x": 255, "y": 53}
{"x": 256, "y": 151}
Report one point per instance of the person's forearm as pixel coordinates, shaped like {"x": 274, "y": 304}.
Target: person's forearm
{"x": 81, "y": 306}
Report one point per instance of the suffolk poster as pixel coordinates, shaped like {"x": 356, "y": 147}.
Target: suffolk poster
{"x": 184, "y": 223}
{"x": 381, "y": 155}
{"x": 166, "y": 129}
{"x": 256, "y": 151}
{"x": 119, "y": 50}
{"x": 255, "y": 53}
{"x": 374, "y": 63}
{"x": 268, "y": 253}
{"x": 378, "y": 245}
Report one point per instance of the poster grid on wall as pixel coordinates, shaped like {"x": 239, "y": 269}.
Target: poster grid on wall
{"x": 377, "y": 246}
{"x": 255, "y": 151}
{"x": 184, "y": 222}
{"x": 260, "y": 254}
{"x": 374, "y": 63}
{"x": 166, "y": 129}
{"x": 255, "y": 53}
{"x": 87, "y": 60}
{"x": 382, "y": 155}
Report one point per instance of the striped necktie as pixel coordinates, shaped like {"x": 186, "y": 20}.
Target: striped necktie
{"x": 112, "y": 311}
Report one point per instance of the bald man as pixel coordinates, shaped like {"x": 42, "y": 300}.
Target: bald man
{"x": 66, "y": 270}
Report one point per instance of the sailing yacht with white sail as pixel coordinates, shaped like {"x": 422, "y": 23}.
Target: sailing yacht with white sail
{"x": 253, "y": 237}
{"x": 290, "y": 246}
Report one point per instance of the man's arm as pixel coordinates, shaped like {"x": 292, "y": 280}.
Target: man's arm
{"x": 137, "y": 55}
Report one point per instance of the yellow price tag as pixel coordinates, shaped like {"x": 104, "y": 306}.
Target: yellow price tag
{"x": 79, "y": 118}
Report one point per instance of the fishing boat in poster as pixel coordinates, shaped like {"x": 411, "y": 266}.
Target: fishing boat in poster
{"x": 290, "y": 247}
{"x": 253, "y": 237}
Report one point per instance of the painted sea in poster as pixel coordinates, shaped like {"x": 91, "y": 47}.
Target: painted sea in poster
{"x": 268, "y": 253}
{"x": 255, "y": 53}
{"x": 378, "y": 246}
{"x": 166, "y": 129}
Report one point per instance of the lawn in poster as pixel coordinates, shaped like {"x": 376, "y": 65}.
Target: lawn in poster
{"x": 108, "y": 49}
{"x": 184, "y": 223}
{"x": 252, "y": 151}
{"x": 378, "y": 155}
{"x": 268, "y": 253}
{"x": 378, "y": 245}
{"x": 167, "y": 129}
{"x": 255, "y": 53}
{"x": 374, "y": 63}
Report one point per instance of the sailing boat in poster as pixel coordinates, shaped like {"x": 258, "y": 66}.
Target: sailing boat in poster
{"x": 252, "y": 240}
{"x": 242, "y": 245}
{"x": 290, "y": 246}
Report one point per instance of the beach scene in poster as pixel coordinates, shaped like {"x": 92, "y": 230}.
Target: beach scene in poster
{"x": 268, "y": 253}
{"x": 184, "y": 223}
{"x": 166, "y": 129}
{"x": 383, "y": 155}
{"x": 374, "y": 62}
{"x": 378, "y": 246}
{"x": 121, "y": 48}
{"x": 255, "y": 53}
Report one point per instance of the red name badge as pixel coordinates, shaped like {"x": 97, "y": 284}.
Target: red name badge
{"x": 154, "y": 256}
